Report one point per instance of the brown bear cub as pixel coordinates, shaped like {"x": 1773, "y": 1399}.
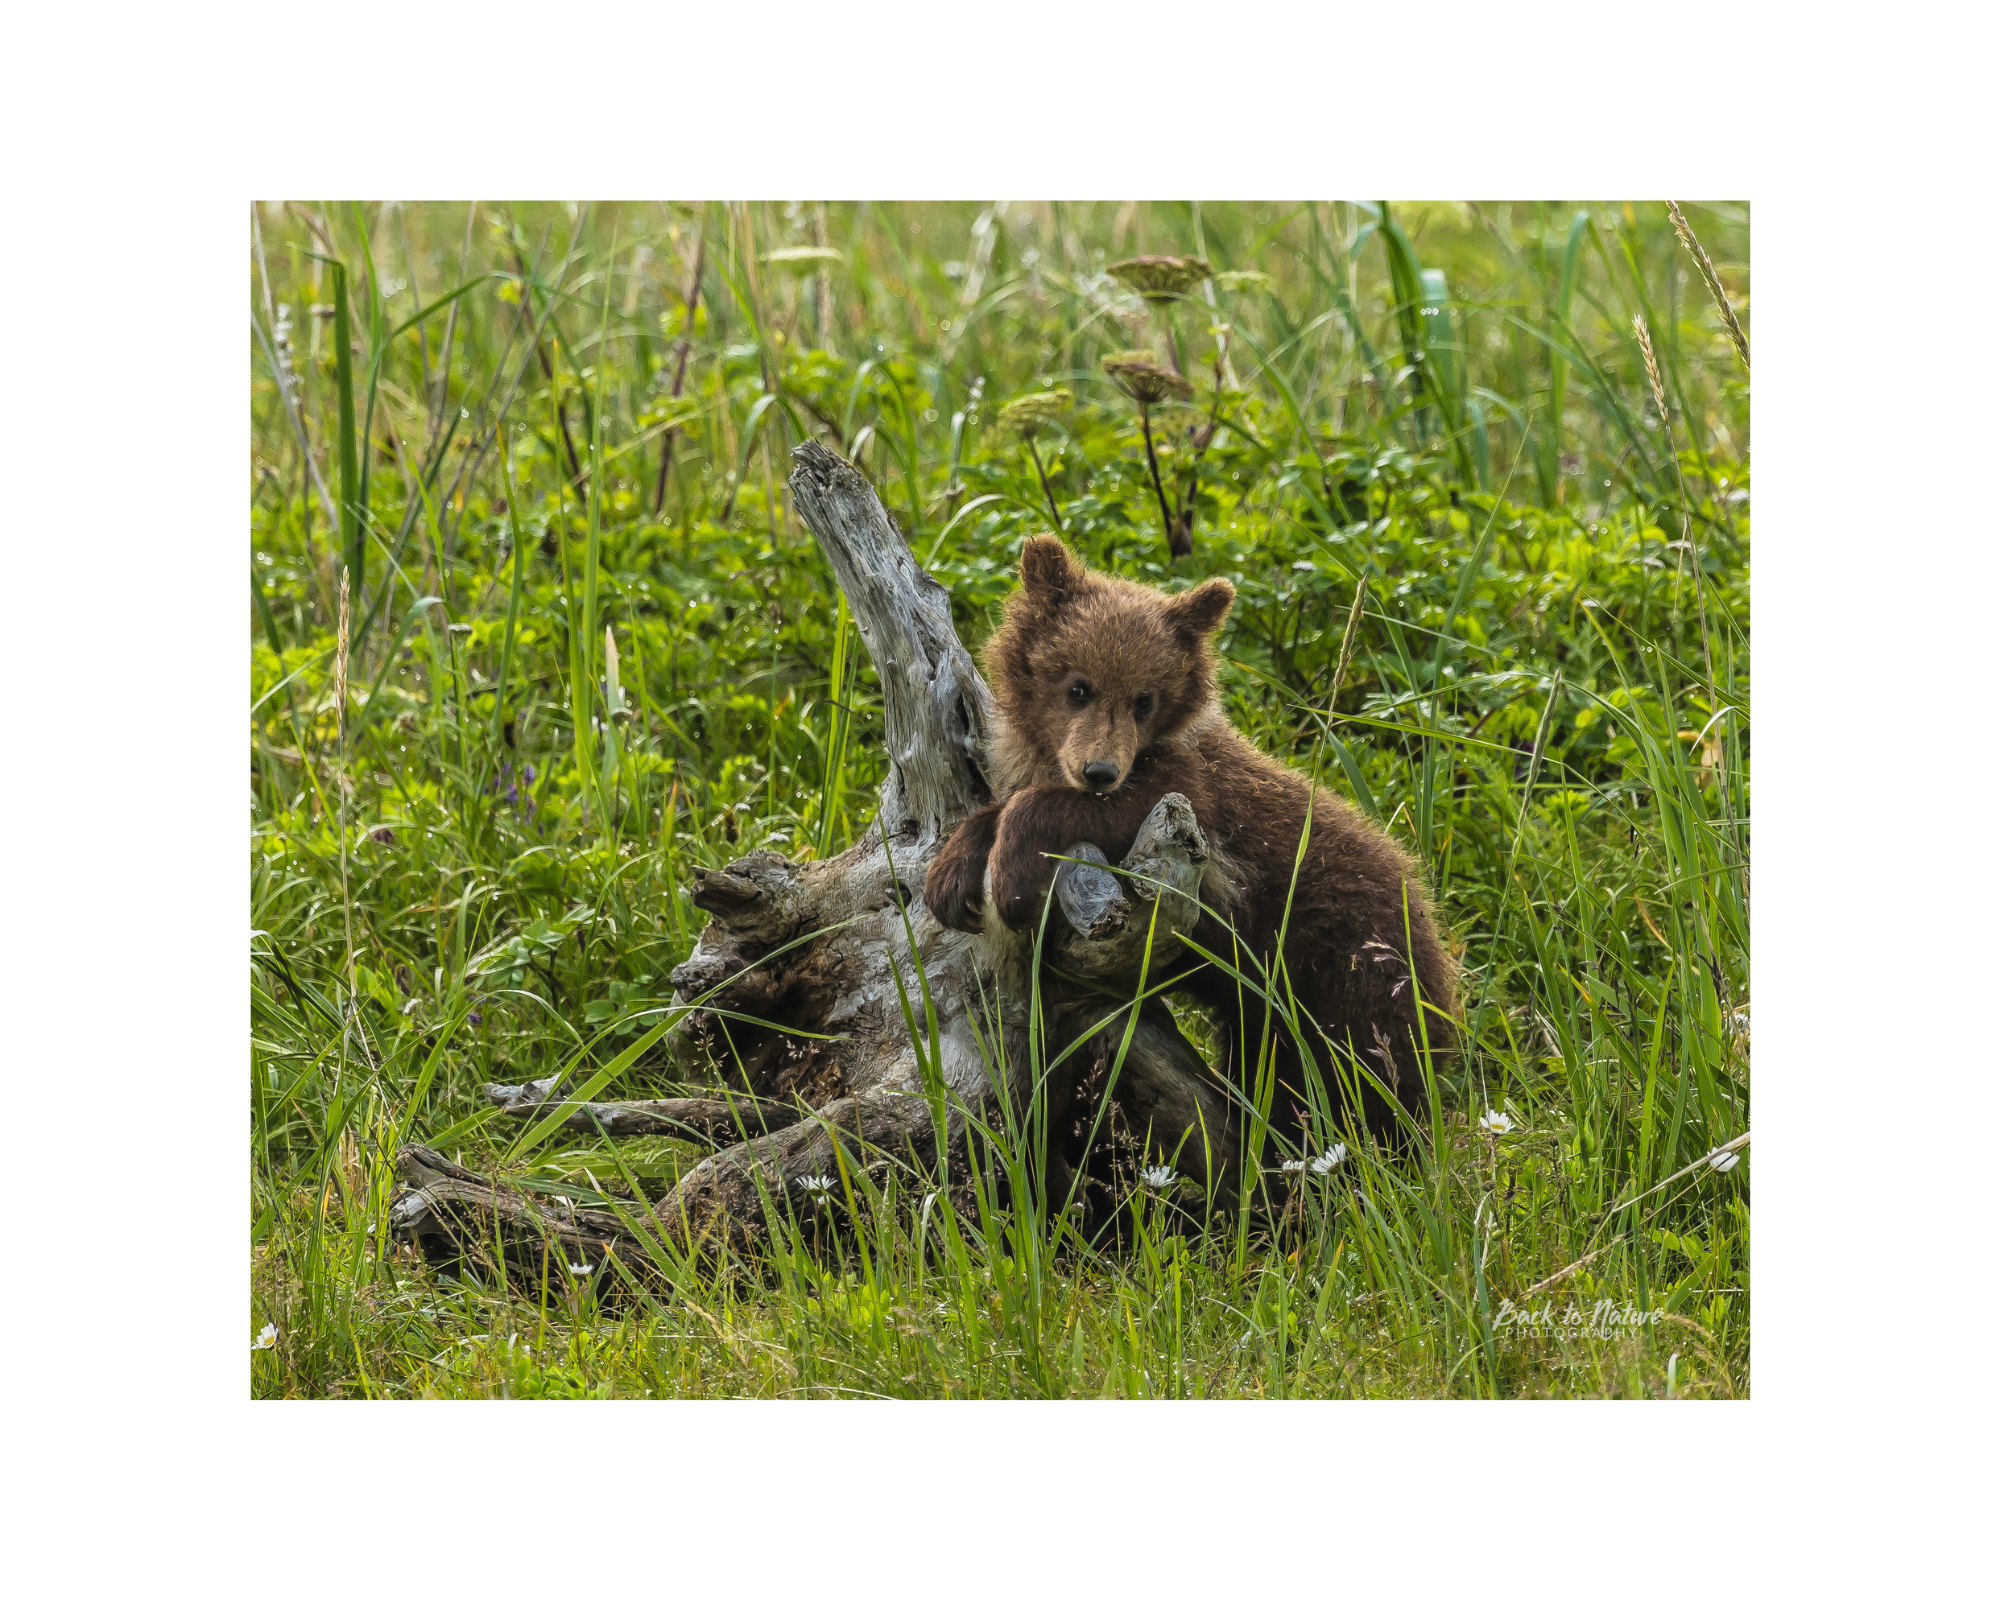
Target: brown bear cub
{"x": 1108, "y": 702}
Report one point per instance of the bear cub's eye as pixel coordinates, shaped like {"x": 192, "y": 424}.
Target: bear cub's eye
{"x": 1143, "y": 707}
{"x": 1079, "y": 692}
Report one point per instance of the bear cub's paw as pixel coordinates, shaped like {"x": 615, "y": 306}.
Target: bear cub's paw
{"x": 1021, "y": 879}
{"x": 955, "y": 886}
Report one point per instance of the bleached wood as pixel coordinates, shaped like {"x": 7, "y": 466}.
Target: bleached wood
{"x": 845, "y": 1083}
{"x": 935, "y": 706}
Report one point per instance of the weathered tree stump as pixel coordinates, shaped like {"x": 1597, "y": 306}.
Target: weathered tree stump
{"x": 833, "y": 949}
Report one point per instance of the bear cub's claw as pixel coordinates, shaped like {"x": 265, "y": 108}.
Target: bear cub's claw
{"x": 1021, "y": 882}
{"x": 954, "y": 888}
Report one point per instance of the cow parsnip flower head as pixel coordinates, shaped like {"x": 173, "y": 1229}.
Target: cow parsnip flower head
{"x": 1160, "y": 278}
{"x": 1025, "y": 415}
{"x": 1144, "y": 379}
{"x": 802, "y": 260}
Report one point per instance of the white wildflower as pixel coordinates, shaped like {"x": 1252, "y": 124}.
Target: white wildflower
{"x": 816, "y": 1187}
{"x": 579, "y": 1269}
{"x": 1291, "y": 1166}
{"x": 1497, "y": 1122}
{"x": 1723, "y": 1160}
{"x": 1335, "y": 1154}
{"x": 1158, "y": 1177}
{"x": 267, "y": 1338}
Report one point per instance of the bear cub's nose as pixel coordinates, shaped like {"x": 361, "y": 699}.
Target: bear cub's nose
{"x": 1100, "y": 774}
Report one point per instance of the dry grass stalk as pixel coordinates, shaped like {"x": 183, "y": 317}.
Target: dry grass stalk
{"x": 692, "y": 300}
{"x": 1347, "y": 644}
{"x": 1711, "y": 751}
{"x": 1708, "y": 277}
{"x": 1740, "y": 1142}
{"x": 1687, "y": 532}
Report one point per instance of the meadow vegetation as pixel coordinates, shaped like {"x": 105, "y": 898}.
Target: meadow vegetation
{"x": 592, "y": 648}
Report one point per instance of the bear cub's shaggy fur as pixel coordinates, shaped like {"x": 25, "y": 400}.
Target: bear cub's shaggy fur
{"x": 1107, "y": 698}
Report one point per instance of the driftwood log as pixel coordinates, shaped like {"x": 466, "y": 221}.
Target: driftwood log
{"x": 838, "y": 949}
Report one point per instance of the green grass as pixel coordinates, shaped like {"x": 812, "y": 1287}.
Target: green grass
{"x": 1548, "y": 702}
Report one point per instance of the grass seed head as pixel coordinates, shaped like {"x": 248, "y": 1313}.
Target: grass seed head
{"x": 1708, "y": 276}
{"x": 340, "y": 659}
{"x": 1652, "y": 367}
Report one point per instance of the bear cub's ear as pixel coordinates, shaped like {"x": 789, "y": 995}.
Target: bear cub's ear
{"x": 1200, "y": 611}
{"x": 1048, "y": 571}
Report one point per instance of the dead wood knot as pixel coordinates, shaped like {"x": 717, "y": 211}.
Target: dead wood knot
{"x": 722, "y": 891}
{"x": 820, "y": 466}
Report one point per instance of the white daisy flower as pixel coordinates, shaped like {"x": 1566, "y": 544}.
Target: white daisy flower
{"x": 267, "y": 1338}
{"x": 1291, "y": 1166}
{"x": 1723, "y": 1160}
{"x": 1497, "y": 1122}
{"x": 1158, "y": 1177}
{"x": 579, "y": 1269}
{"x": 815, "y": 1187}
{"x": 1335, "y": 1154}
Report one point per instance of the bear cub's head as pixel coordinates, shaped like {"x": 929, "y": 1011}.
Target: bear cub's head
{"x": 1091, "y": 670}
